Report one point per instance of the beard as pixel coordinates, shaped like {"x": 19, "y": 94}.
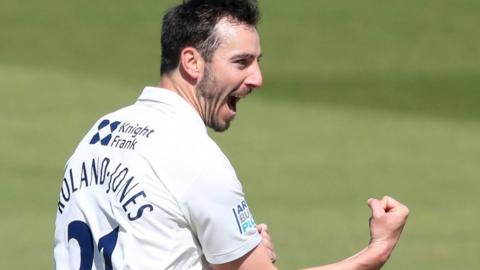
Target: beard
{"x": 209, "y": 94}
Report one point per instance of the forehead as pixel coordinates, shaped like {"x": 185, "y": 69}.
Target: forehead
{"x": 237, "y": 38}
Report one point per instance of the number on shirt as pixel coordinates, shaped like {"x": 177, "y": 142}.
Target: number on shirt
{"x": 81, "y": 232}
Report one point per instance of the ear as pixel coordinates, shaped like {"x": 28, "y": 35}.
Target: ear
{"x": 192, "y": 62}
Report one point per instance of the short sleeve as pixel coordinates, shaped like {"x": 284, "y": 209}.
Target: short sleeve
{"x": 219, "y": 213}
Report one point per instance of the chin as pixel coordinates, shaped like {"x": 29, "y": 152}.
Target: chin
{"x": 220, "y": 126}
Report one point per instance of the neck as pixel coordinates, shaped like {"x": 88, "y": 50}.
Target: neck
{"x": 175, "y": 83}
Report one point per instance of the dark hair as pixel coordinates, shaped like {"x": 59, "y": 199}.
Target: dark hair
{"x": 192, "y": 24}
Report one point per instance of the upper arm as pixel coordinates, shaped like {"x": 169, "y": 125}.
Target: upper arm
{"x": 256, "y": 259}
{"x": 217, "y": 211}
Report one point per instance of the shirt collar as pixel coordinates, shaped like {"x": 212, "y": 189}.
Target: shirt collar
{"x": 162, "y": 95}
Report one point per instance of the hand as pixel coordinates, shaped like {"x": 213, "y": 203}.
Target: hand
{"x": 267, "y": 241}
{"x": 387, "y": 221}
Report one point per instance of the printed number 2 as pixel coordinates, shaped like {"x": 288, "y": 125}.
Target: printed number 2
{"x": 80, "y": 231}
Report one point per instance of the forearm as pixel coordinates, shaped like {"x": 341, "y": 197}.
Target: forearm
{"x": 386, "y": 225}
{"x": 373, "y": 257}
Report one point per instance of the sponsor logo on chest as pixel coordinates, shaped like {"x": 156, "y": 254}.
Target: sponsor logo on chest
{"x": 122, "y": 135}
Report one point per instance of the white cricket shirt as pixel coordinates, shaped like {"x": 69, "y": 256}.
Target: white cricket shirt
{"x": 148, "y": 189}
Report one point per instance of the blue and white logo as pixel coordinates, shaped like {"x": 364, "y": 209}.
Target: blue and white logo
{"x": 244, "y": 217}
{"x": 121, "y": 134}
{"x": 105, "y": 130}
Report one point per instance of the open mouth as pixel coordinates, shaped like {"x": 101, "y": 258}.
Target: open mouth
{"x": 233, "y": 99}
{"x": 232, "y": 103}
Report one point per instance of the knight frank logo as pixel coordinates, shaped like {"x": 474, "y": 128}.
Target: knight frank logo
{"x": 121, "y": 135}
{"x": 105, "y": 130}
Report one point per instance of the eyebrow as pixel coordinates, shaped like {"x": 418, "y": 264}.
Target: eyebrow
{"x": 245, "y": 55}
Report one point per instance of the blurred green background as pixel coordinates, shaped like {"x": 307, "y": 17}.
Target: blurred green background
{"x": 361, "y": 99}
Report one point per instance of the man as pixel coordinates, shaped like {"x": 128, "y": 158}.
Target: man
{"x": 148, "y": 189}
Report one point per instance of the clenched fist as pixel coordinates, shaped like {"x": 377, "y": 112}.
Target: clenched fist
{"x": 386, "y": 223}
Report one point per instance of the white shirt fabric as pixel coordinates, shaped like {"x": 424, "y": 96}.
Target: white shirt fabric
{"x": 147, "y": 188}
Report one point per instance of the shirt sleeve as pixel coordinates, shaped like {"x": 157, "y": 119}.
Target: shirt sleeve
{"x": 219, "y": 214}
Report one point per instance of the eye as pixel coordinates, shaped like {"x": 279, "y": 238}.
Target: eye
{"x": 241, "y": 63}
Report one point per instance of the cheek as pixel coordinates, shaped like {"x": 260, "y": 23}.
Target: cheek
{"x": 231, "y": 84}
{"x": 230, "y": 76}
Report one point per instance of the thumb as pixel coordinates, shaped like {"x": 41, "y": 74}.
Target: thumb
{"x": 376, "y": 207}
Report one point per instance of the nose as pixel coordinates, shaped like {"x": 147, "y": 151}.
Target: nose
{"x": 254, "y": 79}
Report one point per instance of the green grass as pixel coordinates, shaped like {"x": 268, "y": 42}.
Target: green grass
{"x": 312, "y": 180}
{"x": 361, "y": 99}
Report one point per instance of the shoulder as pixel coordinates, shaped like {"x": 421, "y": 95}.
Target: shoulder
{"x": 191, "y": 158}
